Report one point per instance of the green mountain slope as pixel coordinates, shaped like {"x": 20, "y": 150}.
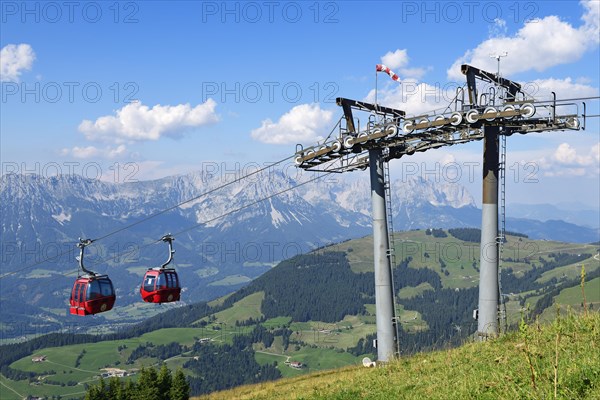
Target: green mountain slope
{"x": 316, "y": 310}
{"x": 560, "y": 360}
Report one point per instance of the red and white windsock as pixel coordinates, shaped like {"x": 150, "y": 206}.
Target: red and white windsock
{"x": 383, "y": 68}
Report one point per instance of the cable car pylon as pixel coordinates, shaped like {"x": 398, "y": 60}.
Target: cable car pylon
{"x": 384, "y": 289}
{"x": 484, "y": 116}
{"x": 391, "y": 249}
{"x": 502, "y": 232}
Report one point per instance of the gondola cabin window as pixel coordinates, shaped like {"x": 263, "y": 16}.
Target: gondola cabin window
{"x": 172, "y": 281}
{"x": 161, "y": 281}
{"x": 93, "y": 290}
{"x": 149, "y": 283}
{"x": 99, "y": 288}
{"x": 77, "y": 294}
{"x": 106, "y": 287}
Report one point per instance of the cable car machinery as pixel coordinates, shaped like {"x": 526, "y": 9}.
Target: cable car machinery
{"x": 501, "y": 110}
{"x": 517, "y": 113}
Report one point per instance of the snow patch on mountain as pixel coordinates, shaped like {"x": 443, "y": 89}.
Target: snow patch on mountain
{"x": 277, "y": 218}
{"x": 62, "y": 217}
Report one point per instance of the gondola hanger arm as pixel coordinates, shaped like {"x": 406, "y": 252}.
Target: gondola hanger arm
{"x": 82, "y": 245}
{"x": 168, "y": 238}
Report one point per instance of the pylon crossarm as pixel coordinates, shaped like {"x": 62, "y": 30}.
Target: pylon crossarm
{"x": 433, "y": 133}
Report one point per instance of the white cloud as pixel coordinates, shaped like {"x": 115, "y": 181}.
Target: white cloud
{"x": 95, "y": 152}
{"x": 567, "y": 155}
{"x": 414, "y": 73}
{"x": 567, "y": 161}
{"x": 396, "y": 59}
{"x": 591, "y": 18}
{"x": 305, "y": 123}
{"x": 15, "y": 59}
{"x": 447, "y": 158}
{"x": 538, "y": 45}
{"x": 398, "y": 62}
{"x": 498, "y": 28}
{"x": 137, "y": 122}
{"x": 564, "y": 88}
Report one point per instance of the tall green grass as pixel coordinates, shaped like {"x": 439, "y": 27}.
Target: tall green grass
{"x": 558, "y": 360}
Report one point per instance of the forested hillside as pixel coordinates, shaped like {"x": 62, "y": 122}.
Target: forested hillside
{"x": 313, "y": 312}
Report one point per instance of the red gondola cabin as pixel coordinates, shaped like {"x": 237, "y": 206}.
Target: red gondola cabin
{"x": 92, "y": 295}
{"x": 160, "y": 285}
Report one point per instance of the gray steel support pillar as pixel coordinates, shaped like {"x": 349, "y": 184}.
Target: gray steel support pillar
{"x": 487, "y": 324}
{"x": 384, "y": 296}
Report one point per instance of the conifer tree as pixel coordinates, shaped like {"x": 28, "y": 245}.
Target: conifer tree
{"x": 114, "y": 384}
{"x": 97, "y": 392}
{"x": 164, "y": 382}
{"x": 147, "y": 385}
{"x": 180, "y": 389}
{"x": 127, "y": 391}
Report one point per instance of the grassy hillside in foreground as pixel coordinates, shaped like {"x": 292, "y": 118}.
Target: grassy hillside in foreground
{"x": 559, "y": 360}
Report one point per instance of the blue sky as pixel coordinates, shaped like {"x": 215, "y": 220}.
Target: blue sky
{"x": 150, "y": 89}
